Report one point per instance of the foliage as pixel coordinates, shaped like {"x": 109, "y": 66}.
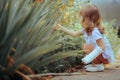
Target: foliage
{"x": 70, "y": 43}
{"x": 71, "y": 46}
{"x": 26, "y": 28}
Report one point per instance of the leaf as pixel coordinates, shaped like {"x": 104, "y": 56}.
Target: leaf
{"x": 59, "y": 56}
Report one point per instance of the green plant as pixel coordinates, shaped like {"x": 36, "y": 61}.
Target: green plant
{"x": 27, "y": 27}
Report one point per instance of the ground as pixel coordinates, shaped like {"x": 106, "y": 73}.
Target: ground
{"x": 112, "y": 72}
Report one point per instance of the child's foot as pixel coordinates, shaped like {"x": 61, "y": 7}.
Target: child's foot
{"x": 89, "y": 65}
{"x": 98, "y": 67}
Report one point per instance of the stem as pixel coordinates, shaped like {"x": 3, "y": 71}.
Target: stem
{"x": 55, "y": 74}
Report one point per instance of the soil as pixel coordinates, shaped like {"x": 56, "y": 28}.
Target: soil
{"x": 112, "y": 72}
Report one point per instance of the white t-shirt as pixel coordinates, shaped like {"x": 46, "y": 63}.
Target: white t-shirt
{"x": 91, "y": 39}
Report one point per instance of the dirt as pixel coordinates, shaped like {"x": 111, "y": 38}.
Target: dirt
{"x": 112, "y": 72}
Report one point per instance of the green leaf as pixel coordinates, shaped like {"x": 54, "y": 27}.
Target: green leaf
{"x": 59, "y": 56}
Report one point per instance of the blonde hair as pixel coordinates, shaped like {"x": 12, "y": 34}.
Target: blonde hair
{"x": 91, "y": 18}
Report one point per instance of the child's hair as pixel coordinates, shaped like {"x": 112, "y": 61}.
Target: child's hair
{"x": 91, "y": 18}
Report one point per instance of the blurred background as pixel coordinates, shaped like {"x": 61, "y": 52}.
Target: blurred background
{"x": 27, "y": 34}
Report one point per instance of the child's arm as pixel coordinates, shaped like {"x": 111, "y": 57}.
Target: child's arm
{"x": 97, "y": 51}
{"x": 100, "y": 44}
{"x": 70, "y": 32}
{"x": 99, "y": 48}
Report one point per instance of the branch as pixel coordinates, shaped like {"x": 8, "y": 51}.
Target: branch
{"x": 56, "y": 74}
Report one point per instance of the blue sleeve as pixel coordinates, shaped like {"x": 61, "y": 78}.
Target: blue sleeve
{"x": 96, "y": 34}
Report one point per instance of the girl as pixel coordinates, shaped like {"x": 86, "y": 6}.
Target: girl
{"x": 97, "y": 48}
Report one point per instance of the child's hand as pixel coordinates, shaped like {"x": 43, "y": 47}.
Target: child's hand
{"x": 56, "y": 27}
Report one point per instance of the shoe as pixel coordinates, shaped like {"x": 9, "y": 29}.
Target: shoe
{"x": 89, "y": 65}
{"x": 99, "y": 67}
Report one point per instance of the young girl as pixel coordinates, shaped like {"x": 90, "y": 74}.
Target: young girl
{"x": 97, "y": 48}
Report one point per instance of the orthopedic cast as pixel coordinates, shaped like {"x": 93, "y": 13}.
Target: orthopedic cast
{"x": 91, "y": 56}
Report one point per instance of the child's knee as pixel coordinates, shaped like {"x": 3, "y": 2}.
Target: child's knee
{"x": 87, "y": 46}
